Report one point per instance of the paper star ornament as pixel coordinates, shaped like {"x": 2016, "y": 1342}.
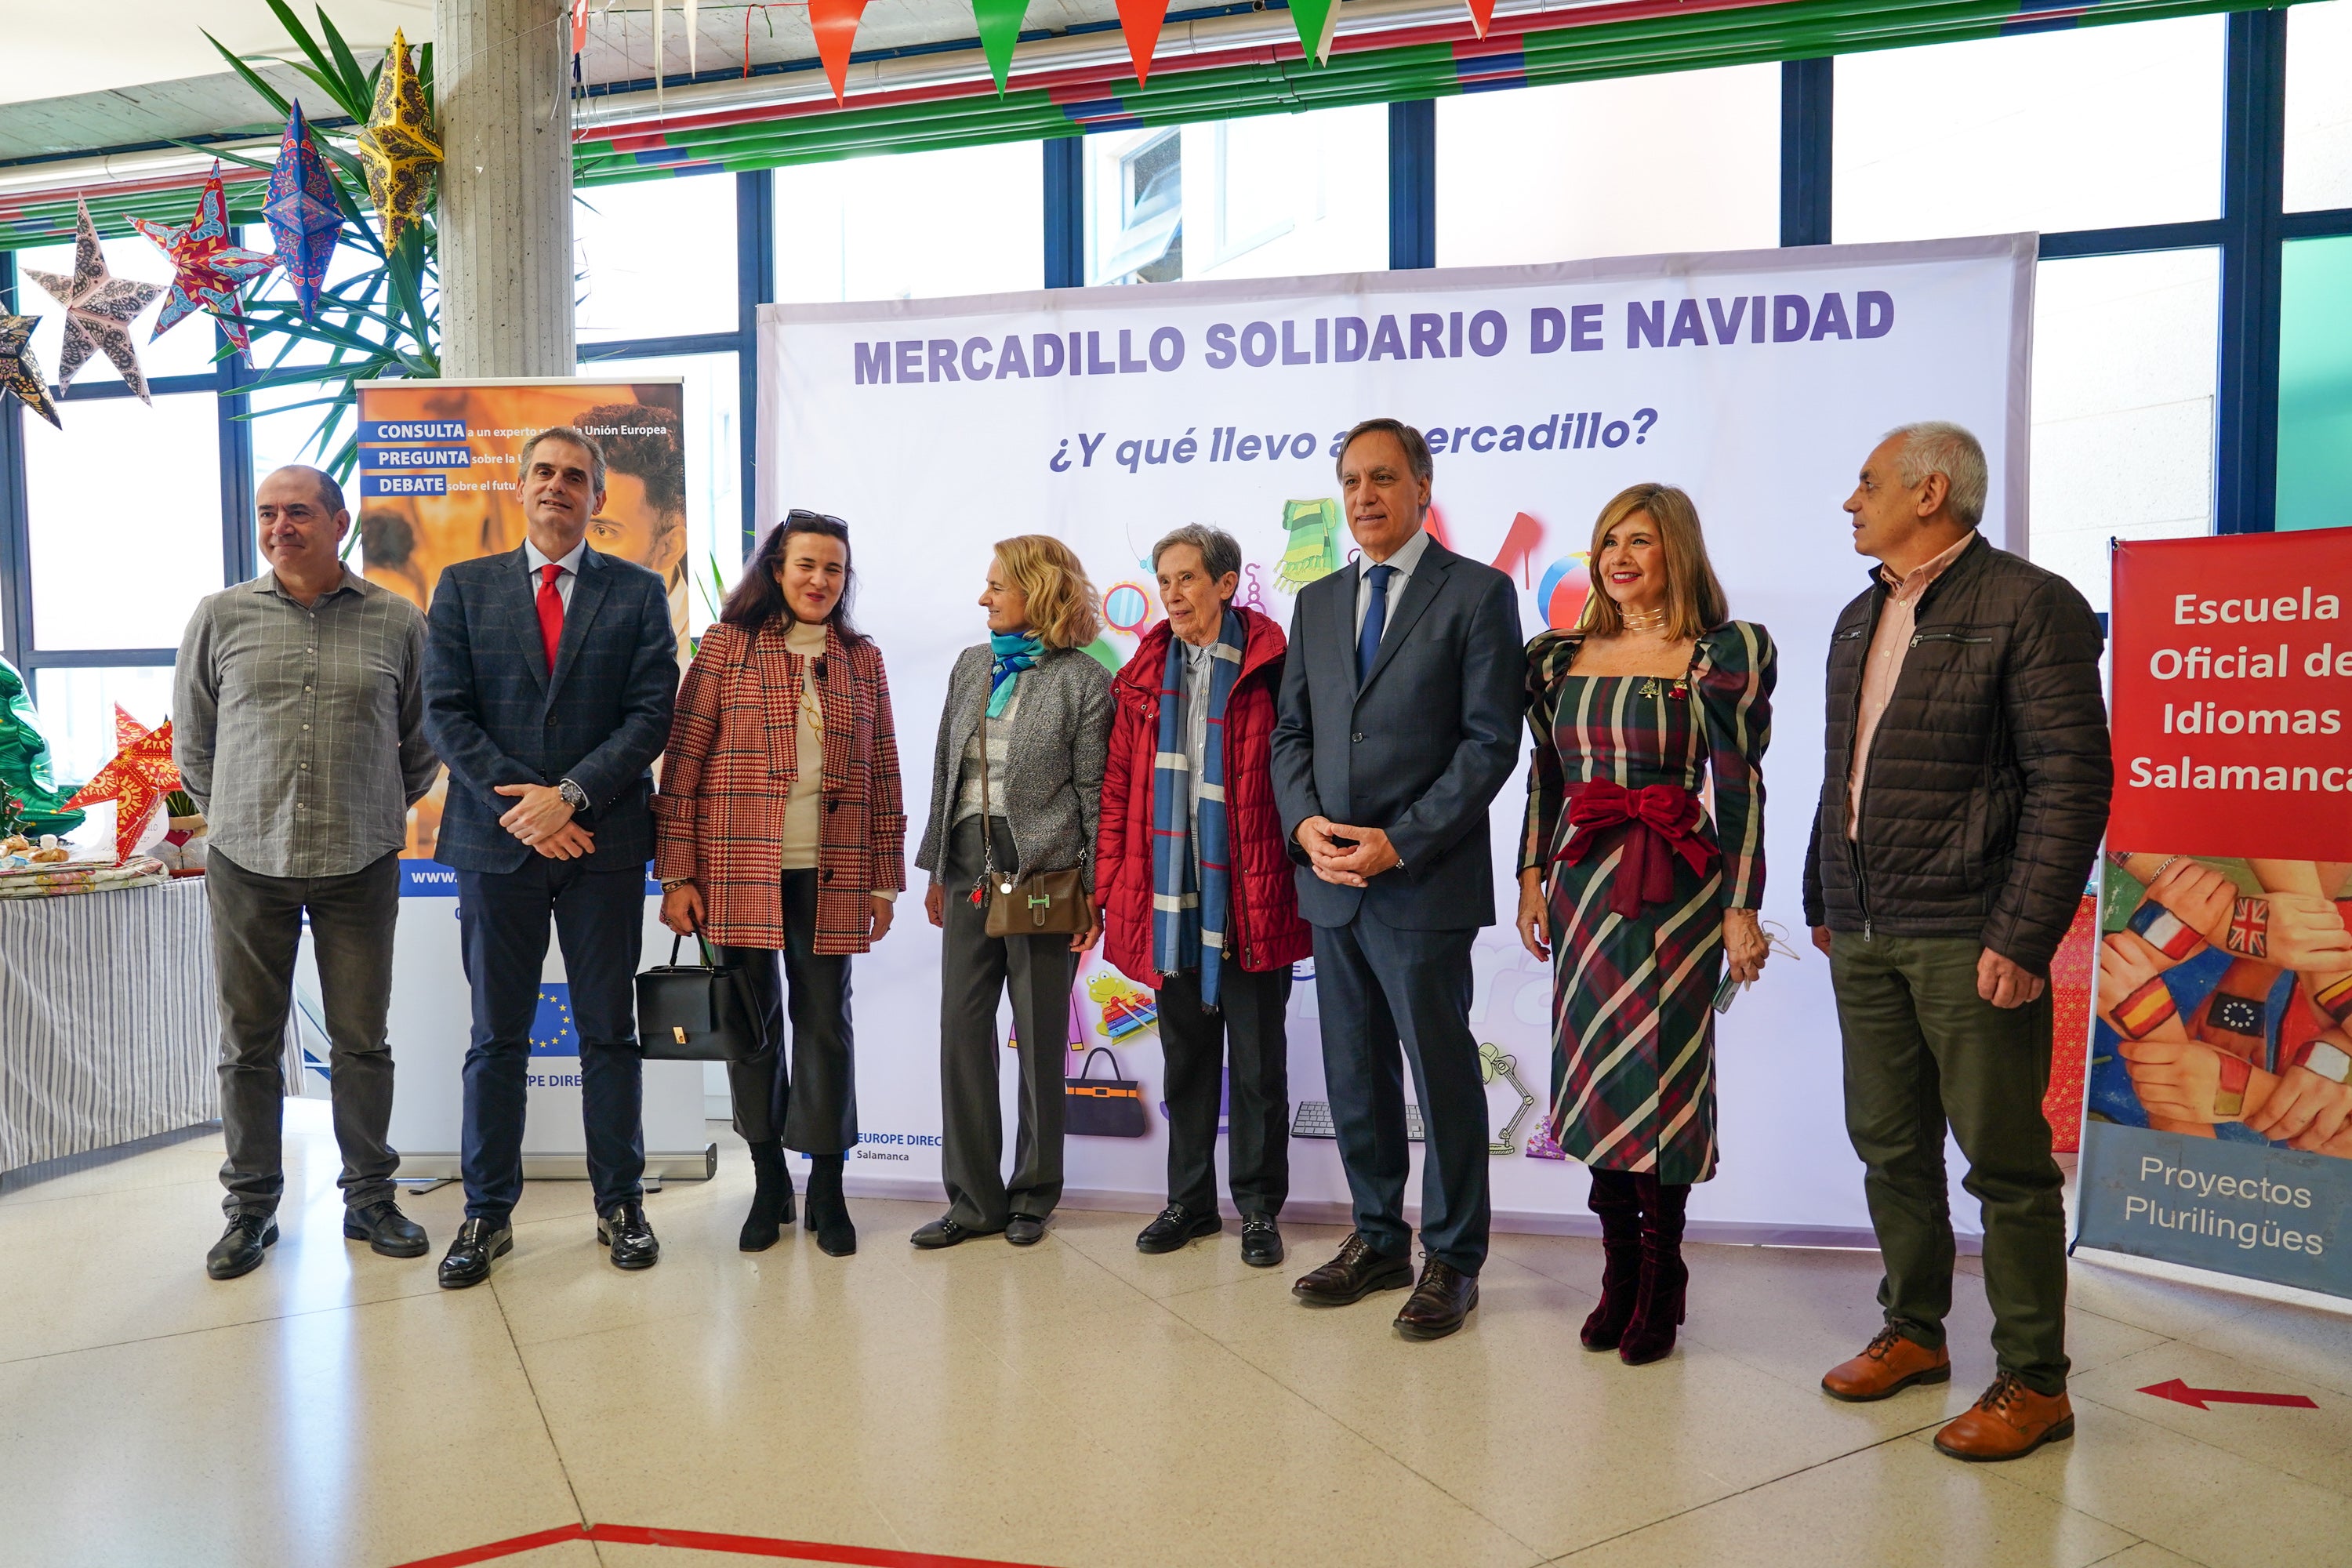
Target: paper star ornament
{"x": 137, "y": 780}
{"x": 20, "y": 372}
{"x": 99, "y": 308}
{"x": 396, "y": 146}
{"x": 302, "y": 214}
{"x": 208, "y": 268}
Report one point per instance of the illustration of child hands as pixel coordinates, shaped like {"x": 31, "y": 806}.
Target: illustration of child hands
{"x": 2133, "y": 998}
{"x": 2201, "y": 897}
{"x": 2305, "y": 1110}
{"x": 2180, "y": 1081}
{"x": 2293, "y": 931}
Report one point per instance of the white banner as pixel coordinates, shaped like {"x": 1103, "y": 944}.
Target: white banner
{"x": 1756, "y": 380}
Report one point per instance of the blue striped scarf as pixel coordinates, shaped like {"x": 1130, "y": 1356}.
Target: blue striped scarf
{"x": 1189, "y": 920}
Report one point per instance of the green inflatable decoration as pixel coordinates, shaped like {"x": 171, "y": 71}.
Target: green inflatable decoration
{"x": 24, "y": 763}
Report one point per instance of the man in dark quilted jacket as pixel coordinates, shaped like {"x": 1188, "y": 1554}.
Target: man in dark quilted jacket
{"x": 1963, "y": 798}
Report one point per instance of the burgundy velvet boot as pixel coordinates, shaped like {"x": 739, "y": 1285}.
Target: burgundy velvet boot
{"x": 1612, "y": 1197}
{"x": 1658, "y": 1306}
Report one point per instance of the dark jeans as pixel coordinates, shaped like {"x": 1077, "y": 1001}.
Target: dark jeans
{"x": 813, "y": 1104}
{"x": 600, "y": 922}
{"x": 1249, "y": 1024}
{"x": 1379, "y": 987}
{"x": 1922, "y": 1049}
{"x": 975, "y": 969}
{"x": 257, "y": 928}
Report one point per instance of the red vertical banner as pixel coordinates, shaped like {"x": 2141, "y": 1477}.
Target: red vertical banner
{"x": 2232, "y": 684}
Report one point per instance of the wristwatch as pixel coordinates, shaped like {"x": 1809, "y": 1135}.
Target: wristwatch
{"x": 573, "y": 795}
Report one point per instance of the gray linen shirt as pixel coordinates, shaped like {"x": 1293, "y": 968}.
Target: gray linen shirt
{"x": 301, "y": 732}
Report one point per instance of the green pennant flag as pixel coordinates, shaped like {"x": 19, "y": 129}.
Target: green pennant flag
{"x": 999, "y": 29}
{"x": 1316, "y": 20}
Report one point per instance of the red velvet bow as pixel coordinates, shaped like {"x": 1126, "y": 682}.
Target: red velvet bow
{"x": 1658, "y": 820}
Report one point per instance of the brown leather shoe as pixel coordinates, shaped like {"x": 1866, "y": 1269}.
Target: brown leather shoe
{"x": 1440, "y": 1304}
{"x": 1354, "y": 1274}
{"x": 1890, "y": 1364}
{"x": 2009, "y": 1422}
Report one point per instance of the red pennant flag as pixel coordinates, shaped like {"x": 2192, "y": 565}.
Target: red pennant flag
{"x": 579, "y": 25}
{"x": 1139, "y": 21}
{"x": 1482, "y": 12}
{"x": 835, "y": 23}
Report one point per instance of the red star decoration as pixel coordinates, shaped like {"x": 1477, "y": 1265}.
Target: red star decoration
{"x": 141, "y": 775}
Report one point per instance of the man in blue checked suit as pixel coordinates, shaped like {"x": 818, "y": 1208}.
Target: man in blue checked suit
{"x": 549, "y": 676}
{"x": 1400, "y": 720}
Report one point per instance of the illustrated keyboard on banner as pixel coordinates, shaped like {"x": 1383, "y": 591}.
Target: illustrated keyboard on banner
{"x": 1314, "y": 1120}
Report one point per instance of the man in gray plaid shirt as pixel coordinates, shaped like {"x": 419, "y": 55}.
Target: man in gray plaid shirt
{"x": 297, "y": 725}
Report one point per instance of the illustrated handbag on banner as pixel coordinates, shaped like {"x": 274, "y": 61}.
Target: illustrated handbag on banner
{"x": 694, "y": 1011}
{"x": 1102, "y": 1107}
{"x": 1039, "y": 904}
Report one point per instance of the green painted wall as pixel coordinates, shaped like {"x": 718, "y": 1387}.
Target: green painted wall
{"x": 2315, "y": 448}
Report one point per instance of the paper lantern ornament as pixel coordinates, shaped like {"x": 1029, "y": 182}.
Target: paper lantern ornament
{"x": 397, "y": 148}
{"x": 137, "y": 780}
{"x": 25, "y": 775}
{"x": 207, "y": 267}
{"x": 20, "y": 372}
{"x": 99, "y": 308}
{"x": 304, "y": 218}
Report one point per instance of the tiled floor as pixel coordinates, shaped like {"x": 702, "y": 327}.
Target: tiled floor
{"x": 1077, "y": 1405}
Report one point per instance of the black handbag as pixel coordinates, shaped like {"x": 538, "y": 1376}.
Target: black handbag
{"x": 1102, "y": 1107}
{"x": 695, "y": 1011}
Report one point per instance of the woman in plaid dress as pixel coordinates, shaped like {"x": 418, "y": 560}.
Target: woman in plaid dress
{"x": 1636, "y": 896}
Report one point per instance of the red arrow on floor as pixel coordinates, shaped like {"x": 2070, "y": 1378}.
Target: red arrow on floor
{"x": 2180, "y": 1392}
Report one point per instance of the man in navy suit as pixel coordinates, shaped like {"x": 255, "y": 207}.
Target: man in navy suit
{"x": 549, "y": 676}
{"x": 1400, "y": 708}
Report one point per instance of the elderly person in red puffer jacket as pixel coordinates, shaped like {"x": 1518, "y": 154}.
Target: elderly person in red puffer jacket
{"x": 1195, "y": 885}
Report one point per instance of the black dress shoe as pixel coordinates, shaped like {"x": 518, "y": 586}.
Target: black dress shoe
{"x": 623, "y": 1227}
{"x": 238, "y": 1251}
{"x": 1440, "y": 1304}
{"x": 1354, "y": 1274}
{"x": 468, "y": 1261}
{"x": 385, "y": 1229}
{"x": 945, "y": 1231}
{"x": 1024, "y": 1230}
{"x": 1174, "y": 1227}
{"x": 1261, "y": 1242}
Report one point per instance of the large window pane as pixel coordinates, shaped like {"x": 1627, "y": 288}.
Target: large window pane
{"x": 186, "y": 350}
{"x": 2088, "y": 129}
{"x": 714, "y": 499}
{"x": 2315, "y": 459}
{"x": 111, "y": 574}
{"x": 2319, "y": 106}
{"x": 1270, "y": 195}
{"x": 76, "y": 713}
{"x": 913, "y": 226}
{"x": 656, "y": 259}
{"x": 1692, "y": 161}
{"x": 2124, "y": 358}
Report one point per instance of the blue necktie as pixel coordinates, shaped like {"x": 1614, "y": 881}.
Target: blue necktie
{"x": 1376, "y": 618}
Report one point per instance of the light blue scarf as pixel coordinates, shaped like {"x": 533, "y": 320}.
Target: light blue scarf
{"x": 1014, "y": 652}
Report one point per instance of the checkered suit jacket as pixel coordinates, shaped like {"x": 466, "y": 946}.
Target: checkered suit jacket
{"x": 497, "y": 716}
{"x": 719, "y": 817}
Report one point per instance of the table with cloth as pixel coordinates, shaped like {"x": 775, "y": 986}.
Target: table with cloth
{"x": 107, "y": 1025}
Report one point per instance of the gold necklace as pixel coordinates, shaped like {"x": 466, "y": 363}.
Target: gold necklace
{"x": 1645, "y": 621}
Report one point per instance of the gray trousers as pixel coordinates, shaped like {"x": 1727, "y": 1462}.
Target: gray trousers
{"x": 975, "y": 969}
{"x": 257, "y": 928}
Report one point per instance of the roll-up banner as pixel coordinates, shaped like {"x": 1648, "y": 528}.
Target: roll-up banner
{"x": 1758, "y": 381}
{"x": 2218, "y": 1117}
{"x": 437, "y": 484}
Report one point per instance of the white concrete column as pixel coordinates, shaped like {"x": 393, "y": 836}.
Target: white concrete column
{"x": 501, "y": 70}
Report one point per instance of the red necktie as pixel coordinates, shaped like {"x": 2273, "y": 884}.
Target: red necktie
{"x": 551, "y": 612}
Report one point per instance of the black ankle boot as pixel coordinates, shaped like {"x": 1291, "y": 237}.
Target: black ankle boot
{"x": 1612, "y": 1198}
{"x": 828, "y": 1214}
{"x": 1665, "y": 1278}
{"x": 772, "y": 1198}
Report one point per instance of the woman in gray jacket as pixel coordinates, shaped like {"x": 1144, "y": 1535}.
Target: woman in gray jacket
{"x": 1047, "y": 708}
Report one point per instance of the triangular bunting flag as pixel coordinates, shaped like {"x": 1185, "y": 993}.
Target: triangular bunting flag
{"x": 835, "y": 23}
{"x": 999, "y": 29}
{"x": 1139, "y": 21}
{"x": 693, "y": 31}
{"x": 1482, "y": 14}
{"x": 1316, "y": 21}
